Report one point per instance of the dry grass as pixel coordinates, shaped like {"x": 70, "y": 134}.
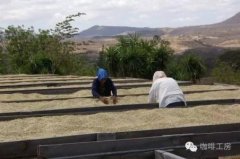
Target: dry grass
{"x": 230, "y": 43}
{"x": 42, "y": 127}
{"x": 93, "y": 46}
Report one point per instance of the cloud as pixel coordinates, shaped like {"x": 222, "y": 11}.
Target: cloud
{"x": 151, "y": 13}
{"x": 184, "y": 19}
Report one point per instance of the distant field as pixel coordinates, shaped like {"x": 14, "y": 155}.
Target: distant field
{"x": 178, "y": 43}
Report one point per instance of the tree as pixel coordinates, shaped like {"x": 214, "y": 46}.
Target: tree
{"x": 136, "y": 57}
{"x": 48, "y": 51}
{"x": 64, "y": 29}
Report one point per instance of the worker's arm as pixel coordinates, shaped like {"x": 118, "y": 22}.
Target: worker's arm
{"x": 114, "y": 91}
{"x": 113, "y": 88}
{"x": 152, "y": 95}
{"x": 94, "y": 89}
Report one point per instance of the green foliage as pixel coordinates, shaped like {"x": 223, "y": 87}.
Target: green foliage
{"x": 81, "y": 66}
{"x": 186, "y": 67}
{"x": 40, "y": 64}
{"x": 1, "y": 63}
{"x": 136, "y": 57}
{"x": 232, "y": 58}
{"x": 224, "y": 73}
{"x": 227, "y": 69}
{"x": 64, "y": 29}
{"x": 47, "y": 51}
{"x": 176, "y": 70}
{"x": 193, "y": 66}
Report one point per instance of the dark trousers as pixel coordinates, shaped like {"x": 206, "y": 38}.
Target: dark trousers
{"x": 176, "y": 104}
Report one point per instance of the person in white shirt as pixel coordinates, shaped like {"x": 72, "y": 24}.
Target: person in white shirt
{"x": 165, "y": 91}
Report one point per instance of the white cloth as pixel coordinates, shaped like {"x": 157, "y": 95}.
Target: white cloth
{"x": 165, "y": 91}
{"x": 158, "y": 74}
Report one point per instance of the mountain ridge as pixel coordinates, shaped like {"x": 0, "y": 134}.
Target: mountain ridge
{"x": 105, "y": 31}
{"x": 210, "y": 29}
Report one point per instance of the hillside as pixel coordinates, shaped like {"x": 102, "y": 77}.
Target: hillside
{"x": 225, "y": 34}
{"x": 229, "y": 27}
{"x": 109, "y": 31}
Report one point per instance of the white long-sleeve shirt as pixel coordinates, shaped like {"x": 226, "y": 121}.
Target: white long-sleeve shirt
{"x": 165, "y": 91}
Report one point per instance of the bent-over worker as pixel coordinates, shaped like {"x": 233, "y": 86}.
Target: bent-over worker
{"x": 103, "y": 86}
{"x": 165, "y": 91}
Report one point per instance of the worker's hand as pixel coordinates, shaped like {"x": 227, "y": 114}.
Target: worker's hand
{"x": 104, "y": 100}
{"x": 114, "y": 98}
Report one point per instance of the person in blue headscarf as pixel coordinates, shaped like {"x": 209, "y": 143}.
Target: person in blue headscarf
{"x": 103, "y": 86}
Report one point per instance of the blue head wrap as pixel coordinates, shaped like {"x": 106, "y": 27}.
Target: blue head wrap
{"x": 101, "y": 74}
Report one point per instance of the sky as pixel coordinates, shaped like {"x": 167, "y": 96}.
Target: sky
{"x": 44, "y": 14}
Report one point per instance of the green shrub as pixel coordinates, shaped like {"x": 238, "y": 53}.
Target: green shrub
{"x": 224, "y": 73}
{"x": 186, "y": 67}
{"x": 40, "y": 65}
{"x": 175, "y": 70}
{"x": 193, "y": 67}
{"x": 232, "y": 58}
{"x": 136, "y": 57}
{"x": 227, "y": 69}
